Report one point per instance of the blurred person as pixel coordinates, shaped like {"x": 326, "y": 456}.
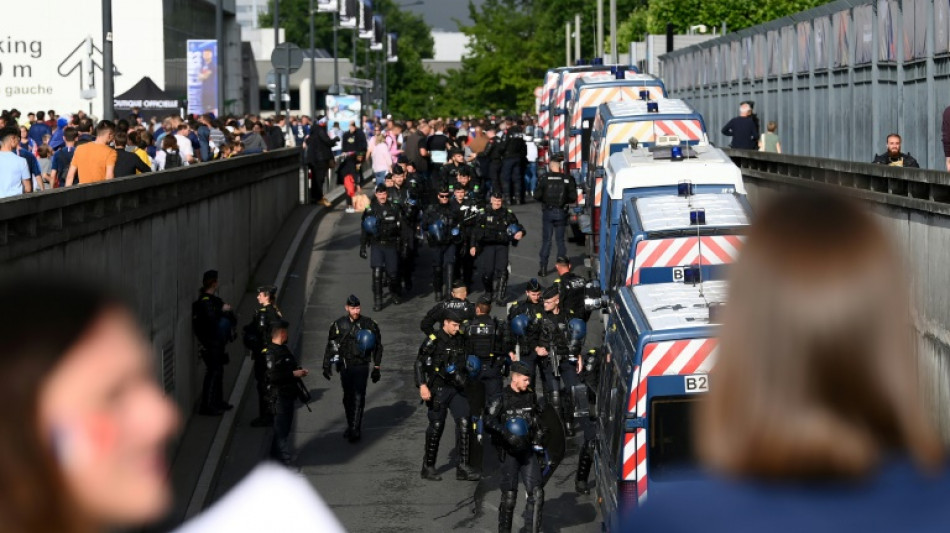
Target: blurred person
{"x": 15, "y": 176}
{"x": 743, "y": 129}
{"x": 40, "y": 128}
{"x": 254, "y": 139}
{"x": 45, "y": 159}
{"x": 64, "y": 156}
{"x": 94, "y": 161}
{"x": 770, "y": 141}
{"x": 185, "y": 148}
{"x": 212, "y": 321}
{"x": 26, "y": 143}
{"x": 143, "y": 142}
{"x": 168, "y": 157}
{"x": 381, "y": 159}
{"x": 319, "y": 159}
{"x": 33, "y": 164}
{"x": 86, "y": 427}
{"x": 893, "y": 156}
{"x": 815, "y": 421}
{"x": 127, "y": 163}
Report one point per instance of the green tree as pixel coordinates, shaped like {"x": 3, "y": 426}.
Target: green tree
{"x": 737, "y": 14}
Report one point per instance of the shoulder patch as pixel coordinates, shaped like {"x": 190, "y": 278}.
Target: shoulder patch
{"x": 558, "y": 280}
{"x": 539, "y": 315}
{"x": 264, "y": 350}
{"x": 431, "y": 336}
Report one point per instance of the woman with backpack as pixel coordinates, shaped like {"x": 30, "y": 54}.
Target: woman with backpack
{"x": 168, "y": 157}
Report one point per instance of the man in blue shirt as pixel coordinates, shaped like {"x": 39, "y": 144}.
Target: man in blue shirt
{"x": 64, "y": 156}
{"x": 39, "y": 129}
{"x": 15, "y": 177}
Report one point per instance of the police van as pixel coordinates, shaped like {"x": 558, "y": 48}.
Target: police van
{"x": 659, "y": 346}
{"x": 617, "y": 123}
{"x": 655, "y": 171}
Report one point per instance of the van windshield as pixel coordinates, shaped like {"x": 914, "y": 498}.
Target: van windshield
{"x": 671, "y": 455}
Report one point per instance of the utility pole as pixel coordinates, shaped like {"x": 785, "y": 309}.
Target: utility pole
{"x": 385, "y": 69}
{"x": 222, "y": 46}
{"x": 613, "y": 32}
{"x": 335, "y": 88}
{"x": 600, "y": 29}
{"x": 577, "y": 37}
{"x": 313, "y": 70}
{"x": 108, "y": 96}
{"x": 567, "y": 45}
{"x": 277, "y": 74}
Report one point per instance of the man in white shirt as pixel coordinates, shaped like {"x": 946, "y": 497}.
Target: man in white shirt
{"x": 531, "y": 169}
{"x": 184, "y": 145}
{"x": 15, "y": 175}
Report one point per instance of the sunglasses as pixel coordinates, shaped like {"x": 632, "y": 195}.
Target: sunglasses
{"x": 443, "y": 196}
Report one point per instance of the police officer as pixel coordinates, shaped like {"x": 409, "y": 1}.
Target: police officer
{"x": 450, "y": 170}
{"x": 463, "y": 179}
{"x": 457, "y": 303}
{"x": 555, "y": 191}
{"x": 262, "y": 324}
{"x": 281, "y": 374}
{"x": 514, "y": 419}
{"x": 531, "y": 308}
{"x": 384, "y": 229}
{"x": 572, "y": 288}
{"x": 441, "y": 376}
{"x": 442, "y": 222}
{"x": 485, "y": 338}
{"x": 353, "y": 343}
{"x": 212, "y": 321}
{"x": 590, "y": 376}
{"x": 512, "y": 166}
{"x": 468, "y": 208}
{"x": 559, "y": 359}
{"x": 416, "y": 182}
{"x": 490, "y": 242}
{"x": 495, "y": 154}
{"x": 401, "y": 195}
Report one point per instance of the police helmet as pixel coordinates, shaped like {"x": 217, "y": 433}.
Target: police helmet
{"x": 371, "y": 225}
{"x": 513, "y": 230}
{"x": 473, "y": 365}
{"x": 437, "y": 229}
{"x": 517, "y": 426}
{"x": 519, "y": 325}
{"x": 365, "y": 340}
{"x": 578, "y": 329}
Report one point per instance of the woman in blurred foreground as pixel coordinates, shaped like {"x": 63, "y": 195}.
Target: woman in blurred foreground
{"x": 84, "y": 426}
{"x": 814, "y": 420}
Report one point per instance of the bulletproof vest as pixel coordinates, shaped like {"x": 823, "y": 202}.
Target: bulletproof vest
{"x": 518, "y": 404}
{"x": 554, "y": 332}
{"x": 555, "y": 188}
{"x": 572, "y": 289}
{"x": 515, "y": 146}
{"x": 279, "y": 360}
{"x": 265, "y": 317}
{"x": 495, "y": 225}
{"x": 388, "y": 220}
{"x": 481, "y": 334}
{"x": 447, "y": 214}
{"x": 450, "y": 350}
{"x": 348, "y": 331}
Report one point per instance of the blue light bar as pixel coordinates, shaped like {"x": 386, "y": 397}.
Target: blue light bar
{"x": 676, "y": 153}
{"x": 653, "y": 107}
{"x": 685, "y": 189}
{"x": 697, "y": 217}
{"x": 645, "y": 95}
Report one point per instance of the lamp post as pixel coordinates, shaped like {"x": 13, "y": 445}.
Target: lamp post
{"x": 108, "y": 104}
{"x": 313, "y": 71}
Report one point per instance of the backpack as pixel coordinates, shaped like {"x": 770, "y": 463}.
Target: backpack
{"x": 172, "y": 160}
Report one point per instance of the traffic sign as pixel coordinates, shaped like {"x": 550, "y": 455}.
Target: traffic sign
{"x": 271, "y": 81}
{"x": 287, "y": 57}
{"x": 357, "y": 82}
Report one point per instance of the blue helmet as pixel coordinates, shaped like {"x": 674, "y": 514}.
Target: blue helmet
{"x": 519, "y": 325}
{"x": 450, "y": 368}
{"x": 578, "y": 329}
{"x": 517, "y": 426}
{"x": 371, "y": 225}
{"x": 513, "y": 229}
{"x": 456, "y": 231}
{"x": 437, "y": 230}
{"x": 365, "y": 340}
{"x": 473, "y": 365}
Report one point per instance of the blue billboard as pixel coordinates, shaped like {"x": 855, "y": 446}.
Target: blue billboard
{"x": 202, "y": 76}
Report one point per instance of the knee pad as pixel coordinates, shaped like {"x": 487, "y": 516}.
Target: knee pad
{"x": 537, "y": 494}
{"x": 464, "y": 422}
{"x": 436, "y": 426}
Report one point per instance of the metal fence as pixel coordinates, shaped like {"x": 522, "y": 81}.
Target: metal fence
{"x": 837, "y": 79}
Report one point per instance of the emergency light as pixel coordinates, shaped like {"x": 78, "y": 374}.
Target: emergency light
{"x": 697, "y": 217}
{"x": 676, "y": 153}
{"x": 621, "y": 73}
{"x": 644, "y": 95}
{"x": 692, "y": 275}
{"x": 597, "y": 61}
{"x": 653, "y": 107}
{"x": 685, "y": 189}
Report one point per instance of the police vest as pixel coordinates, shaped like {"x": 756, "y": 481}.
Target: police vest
{"x": 555, "y": 188}
{"x": 495, "y": 225}
{"x": 481, "y": 334}
{"x": 388, "y": 220}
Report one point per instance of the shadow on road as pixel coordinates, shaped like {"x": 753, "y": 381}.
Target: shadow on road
{"x": 330, "y": 448}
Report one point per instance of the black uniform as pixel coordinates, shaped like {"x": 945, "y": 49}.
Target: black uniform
{"x": 512, "y": 166}
{"x": 490, "y": 238}
{"x": 468, "y": 210}
{"x": 441, "y": 367}
{"x": 495, "y": 154}
{"x": 556, "y": 191}
{"x": 386, "y": 246}
{"x": 519, "y": 458}
{"x": 485, "y": 337}
{"x": 353, "y": 366}
{"x": 432, "y": 322}
{"x": 590, "y": 375}
{"x": 560, "y": 365}
{"x": 572, "y": 290}
{"x": 265, "y": 317}
{"x": 409, "y": 204}
{"x": 212, "y": 325}
{"x": 281, "y": 393}
{"x": 525, "y": 348}
{"x": 437, "y": 145}
{"x": 418, "y": 185}
{"x": 445, "y": 246}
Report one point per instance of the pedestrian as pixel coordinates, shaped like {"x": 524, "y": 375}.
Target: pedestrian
{"x": 441, "y": 375}
{"x": 531, "y": 166}
{"x": 168, "y": 157}
{"x": 282, "y": 375}
{"x": 319, "y": 160}
{"x": 26, "y": 143}
{"x": 257, "y": 334}
{"x": 514, "y": 418}
{"x": 743, "y": 129}
{"x": 142, "y": 145}
{"x": 44, "y": 158}
{"x": 494, "y": 231}
{"x": 87, "y": 427}
{"x": 555, "y": 191}
{"x": 127, "y": 163}
{"x": 354, "y": 140}
{"x": 791, "y": 438}
{"x": 212, "y": 321}
{"x": 63, "y": 157}
{"x": 94, "y": 161}
{"x": 254, "y": 140}
{"x": 945, "y": 136}
{"x": 39, "y": 129}
{"x": 354, "y": 342}
{"x": 436, "y": 149}
{"x": 15, "y": 178}
{"x": 414, "y": 146}
{"x": 185, "y": 147}
{"x": 770, "y": 141}
{"x": 380, "y": 158}
{"x": 893, "y": 156}
{"x": 384, "y": 229}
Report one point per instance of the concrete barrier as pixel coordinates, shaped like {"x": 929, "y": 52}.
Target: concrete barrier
{"x": 915, "y": 206}
{"x": 151, "y": 237}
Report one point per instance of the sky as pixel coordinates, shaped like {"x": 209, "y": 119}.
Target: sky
{"x": 439, "y": 13}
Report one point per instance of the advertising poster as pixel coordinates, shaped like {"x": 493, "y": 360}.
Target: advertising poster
{"x": 202, "y": 76}
{"x": 344, "y": 109}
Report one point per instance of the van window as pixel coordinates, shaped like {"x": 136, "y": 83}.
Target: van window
{"x": 618, "y": 265}
{"x": 671, "y": 454}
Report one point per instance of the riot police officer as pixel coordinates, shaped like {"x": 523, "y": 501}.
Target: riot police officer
{"x": 512, "y": 166}
{"x": 257, "y": 335}
{"x": 401, "y": 195}
{"x": 514, "y": 418}
{"x": 468, "y": 208}
{"x": 495, "y": 154}
{"x": 450, "y": 170}
{"x": 442, "y": 224}
{"x": 485, "y": 338}
{"x": 416, "y": 182}
{"x": 464, "y": 180}
{"x": 441, "y": 376}
{"x": 555, "y": 191}
{"x": 384, "y": 229}
{"x": 458, "y": 303}
{"x": 527, "y": 309}
{"x": 590, "y": 376}
{"x": 212, "y": 321}
{"x": 353, "y": 343}
{"x": 495, "y": 229}
{"x": 572, "y": 288}
{"x": 281, "y": 374}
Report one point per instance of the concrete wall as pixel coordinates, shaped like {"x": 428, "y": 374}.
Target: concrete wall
{"x": 913, "y": 206}
{"x": 152, "y": 237}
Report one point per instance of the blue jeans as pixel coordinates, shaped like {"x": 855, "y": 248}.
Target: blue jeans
{"x": 530, "y": 177}
{"x": 380, "y": 177}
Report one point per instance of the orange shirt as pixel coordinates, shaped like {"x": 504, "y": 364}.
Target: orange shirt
{"x": 91, "y": 160}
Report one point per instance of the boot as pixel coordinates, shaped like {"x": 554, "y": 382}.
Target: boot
{"x": 349, "y": 409}
{"x": 567, "y": 413}
{"x": 463, "y": 433}
{"x": 395, "y": 289}
{"x": 501, "y": 288}
{"x": 449, "y": 279}
{"x": 356, "y": 432}
{"x": 437, "y": 285}
{"x": 377, "y": 289}
{"x": 584, "y": 462}
{"x": 506, "y": 510}
{"x": 543, "y": 271}
{"x": 433, "y": 435}
{"x": 532, "y": 511}
{"x": 487, "y": 283}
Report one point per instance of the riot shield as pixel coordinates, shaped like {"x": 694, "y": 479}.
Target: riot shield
{"x": 554, "y": 442}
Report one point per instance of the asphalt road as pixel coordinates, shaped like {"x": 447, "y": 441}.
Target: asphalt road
{"x": 374, "y": 485}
